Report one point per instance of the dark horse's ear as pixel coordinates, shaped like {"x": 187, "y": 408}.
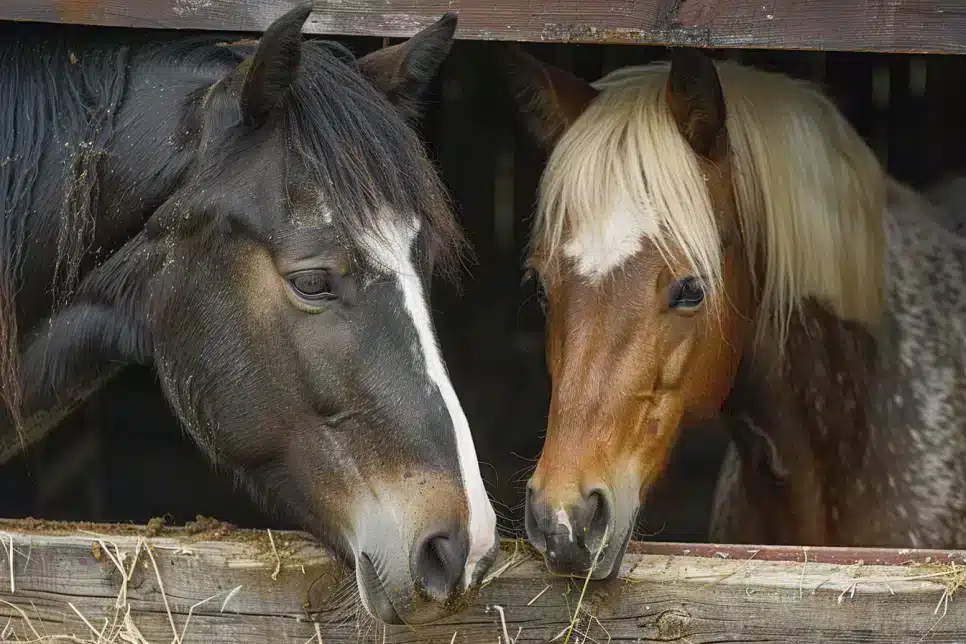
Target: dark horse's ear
{"x": 404, "y": 71}
{"x": 105, "y": 323}
{"x": 550, "y": 98}
{"x": 273, "y": 68}
{"x": 697, "y": 102}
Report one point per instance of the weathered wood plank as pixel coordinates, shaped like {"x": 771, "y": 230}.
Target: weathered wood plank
{"x": 873, "y": 25}
{"x": 666, "y": 592}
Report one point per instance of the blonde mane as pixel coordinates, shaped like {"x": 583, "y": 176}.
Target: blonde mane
{"x": 810, "y": 194}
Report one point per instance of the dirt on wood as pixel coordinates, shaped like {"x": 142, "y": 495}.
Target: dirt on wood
{"x": 201, "y": 529}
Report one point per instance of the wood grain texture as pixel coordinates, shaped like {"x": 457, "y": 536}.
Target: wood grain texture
{"x": 858, "y": 25}
{"x": 727, "y": 594}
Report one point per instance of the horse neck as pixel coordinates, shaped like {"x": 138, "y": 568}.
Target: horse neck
{"x": 116, "y": 154}
{"x": 105, "y": 133}
{"x": 853, "y": 436}
{"x": 798, "y": 421}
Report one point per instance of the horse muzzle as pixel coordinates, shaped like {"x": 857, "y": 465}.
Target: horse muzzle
{"x": 586, "y": 536}
{"x": 417, "y": 573}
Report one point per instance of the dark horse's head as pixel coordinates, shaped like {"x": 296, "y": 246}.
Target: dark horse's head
{"x": 281, "y": 290}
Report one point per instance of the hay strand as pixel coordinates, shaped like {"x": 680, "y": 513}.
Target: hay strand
{"x": 583, "y": 591}
{"x": 99, "y": 634}
{"x": 6, "y": 540}
{"x": 801, "y": 579}
{"x": 509, "y": 563}
{"x": 164, "y": 595}
{"x": 278, "y": 560}
{"x": 23, "y": 616}
{"x": 538, "y": 595}
{"x": 506, "y": 634}
{"x": 122, "y": 627}
{"x": 231, "y": 594}
{"x": 191, "y": 609}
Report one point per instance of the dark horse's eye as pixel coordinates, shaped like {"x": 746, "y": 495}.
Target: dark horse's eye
{"x": 685, "y": 294}
{"x": 312, "y": 285}
{"x": 532, "y": 282}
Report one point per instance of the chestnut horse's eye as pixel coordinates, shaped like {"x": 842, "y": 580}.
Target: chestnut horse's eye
{"x": 312, "y": 285}
{"x": 685, "y": 294}
{"x": 532, "y": 282}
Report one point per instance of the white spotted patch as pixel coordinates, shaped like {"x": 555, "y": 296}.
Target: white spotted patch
{"x": 909, "y": 489}
{"x": 601, "y": 244}
{"x": 927, "y": 304}
{"x": 564, "y": 519}
{"x": 392, "y": 250}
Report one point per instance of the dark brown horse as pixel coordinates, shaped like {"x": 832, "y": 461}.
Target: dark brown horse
{"x": 716, "y": 238}
{"x": 260, "y": 223}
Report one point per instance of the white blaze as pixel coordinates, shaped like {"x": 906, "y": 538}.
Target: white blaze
{"x": 602, "y": 244}
{"x": 564, "y": 520}
{"x": 393, "y": 250}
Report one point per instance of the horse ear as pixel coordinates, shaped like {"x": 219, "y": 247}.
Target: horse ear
{"x": 404, "y": 71}
{"x": 272, "y": 70}
{"x": 697, "y": 102}
{"x": 550, "y": 98}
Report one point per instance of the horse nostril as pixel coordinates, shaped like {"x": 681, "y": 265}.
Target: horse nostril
{"x": 598, "y": 517}
{"x": 534, "y": 526}
{"x": 438, "y": 562}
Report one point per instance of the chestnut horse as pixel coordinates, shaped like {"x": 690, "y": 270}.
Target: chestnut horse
{"x": 717, "y": 239}
{"x": 259, "y": 223}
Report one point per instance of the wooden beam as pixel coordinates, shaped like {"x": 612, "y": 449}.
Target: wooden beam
{"x": 214, "y": 584}
{"x": 868, "y": 25}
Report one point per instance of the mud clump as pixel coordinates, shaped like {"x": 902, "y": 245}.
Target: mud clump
{"x": 155, "y": 527}
{"x": 208, "y": 528}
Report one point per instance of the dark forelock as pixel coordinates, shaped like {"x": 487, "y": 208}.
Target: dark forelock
{"x": 360, "y": 151}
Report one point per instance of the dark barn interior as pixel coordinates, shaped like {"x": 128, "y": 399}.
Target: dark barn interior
{"x": 123, "y": 458}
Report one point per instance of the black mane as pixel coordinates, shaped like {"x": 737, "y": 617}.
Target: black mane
{"x": 59, "y": 97}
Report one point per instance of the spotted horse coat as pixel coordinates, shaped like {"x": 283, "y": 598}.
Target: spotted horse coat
{"x": 873, "y": 426}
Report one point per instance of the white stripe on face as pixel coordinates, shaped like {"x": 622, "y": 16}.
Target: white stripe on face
{"x": 599, "y": 247}
{"x": 392, "y": 250}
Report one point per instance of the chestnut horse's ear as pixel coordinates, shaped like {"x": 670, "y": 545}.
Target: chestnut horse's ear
{"x": 697, "y": 102}
{"x": 550, "y": 98}
{"x": 403, "y": 72}
{"x": 273, "y": 68}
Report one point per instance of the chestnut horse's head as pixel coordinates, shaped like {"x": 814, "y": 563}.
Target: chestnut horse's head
{"x": 657, "y": 264}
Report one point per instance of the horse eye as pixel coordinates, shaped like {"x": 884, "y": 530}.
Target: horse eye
{"x": 542, "y": 299}
{"x": 685, "y": 294}
{"x": 531, "y": 281}
{"x": 312, "y": 285}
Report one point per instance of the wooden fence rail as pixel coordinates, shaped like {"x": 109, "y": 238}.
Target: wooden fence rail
{"x": 874, "y": 25}
{"x": 213, "y": 584}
